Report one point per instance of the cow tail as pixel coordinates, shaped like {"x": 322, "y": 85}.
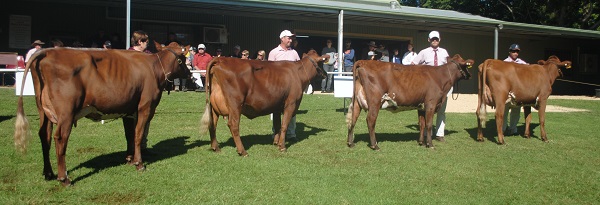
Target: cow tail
{"x": 355, "y": 81}
{"x": 483, "y": 99}
{"x": 207, "y": 119}
{"x": 22, "y": 132}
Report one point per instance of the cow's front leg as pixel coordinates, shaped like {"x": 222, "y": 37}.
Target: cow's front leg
{"x": 429, "y": 112}
{"x": 527, "y": 113}
{"x": 421, "y": 116}
{"x": 129, "y": 127}
{"x": 542, "y": 115}
{"x": 277, "y": 128}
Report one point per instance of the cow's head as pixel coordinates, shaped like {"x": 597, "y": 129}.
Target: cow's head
{"x": 553, "y": 60}
{"x": 182, "y": 71}
{"x": 463, "y": 65}
{"x": 314, "y": 58}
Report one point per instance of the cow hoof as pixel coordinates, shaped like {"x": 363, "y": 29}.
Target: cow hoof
{"x": 420, "y": 143}
{"x": 215, "y": 149}
{"x": 129, "y": 158}
{"x": 501, "y": 143}
{"x": 376, "y": 148}
{"x": 480, "y": 140}
{"x": 351, "y": 145}
{"x": 282, "y": 149}
{"x": 243, "y": 154}
{"x": 430, "y": 146}
{"x": 141, "y": 168}
{"x": 66, "y": 182}
{"x": 49, "y": 176}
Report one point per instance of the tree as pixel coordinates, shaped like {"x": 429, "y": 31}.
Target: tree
{"x": 581, "y": 14}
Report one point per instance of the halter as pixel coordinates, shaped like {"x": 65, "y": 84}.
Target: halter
{"x": 456, "y": 83}
{"x": 163, "y": 67}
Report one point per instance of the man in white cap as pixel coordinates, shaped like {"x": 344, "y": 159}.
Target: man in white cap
{"x": 285, "y": 52}
{"x": 435, "y": 56}
{"x": 201, "y": 60}
{"x": 515, "y": 112}
{"x": 36, "y": 46}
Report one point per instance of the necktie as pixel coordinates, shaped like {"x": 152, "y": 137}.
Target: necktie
{"x": 435, "y": 57}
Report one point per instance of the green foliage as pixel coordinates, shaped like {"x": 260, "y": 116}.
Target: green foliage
{"x": 318, "y": 169}
{"x": 563, "y": 13}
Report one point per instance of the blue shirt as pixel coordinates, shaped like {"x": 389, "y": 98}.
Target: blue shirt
{"x": 348, "y": 58}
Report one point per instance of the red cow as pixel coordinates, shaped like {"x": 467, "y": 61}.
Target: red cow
{"x": 394, "y": 87}
{"x": 505, "y": 84}
{"x": 97, "y": 84}
{"x": 255, "y": 88}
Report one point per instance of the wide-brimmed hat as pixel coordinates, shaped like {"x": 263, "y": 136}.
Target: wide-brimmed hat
{"x": 37, "y": 42}
{"x": 372, "y": 43}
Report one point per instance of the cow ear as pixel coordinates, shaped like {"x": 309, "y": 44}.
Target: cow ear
{"x": 567, "y": 64}
{"x": 541, "y": 62}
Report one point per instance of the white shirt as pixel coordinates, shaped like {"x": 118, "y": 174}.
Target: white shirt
{"x": 29, "y": 54}
{"x": 518, "y": 60}
{"x": 427, "y": 57}
{"x": 408, "y": 57}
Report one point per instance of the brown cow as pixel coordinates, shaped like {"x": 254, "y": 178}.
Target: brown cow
{"x": 252, "y": 88}
{"x": 395, "y": 87}
{"x": 97, "y": 84}
{"x": 506, "y": 84}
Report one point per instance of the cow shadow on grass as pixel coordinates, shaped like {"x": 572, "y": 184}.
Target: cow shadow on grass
{"x": 303, "y": 132}
{"x": 160, "y": 151}
{"x": 4, "y": 118}
{"x": 491, "y": 134}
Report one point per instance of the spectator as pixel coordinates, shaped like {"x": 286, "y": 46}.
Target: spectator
{"x": 261, "y": 55}
{"x": 349, "y": 56}
{"x": 285, "y": 52}
{"x": 77, "y": 44}
{"x": 219, "y": 52}
{"x": 435, "y": 56}
{"x": 246, "y": 54}
{"x": 116, "y": 42}
{"x": 236, "y": 52}
{"x": 139, "y": 41}
{"x": 371, "y": 55}
{"x": 36, "y": 46}
{"x": 372, "y": 46}
{"x": 515, "y": 112}
{"x": 201, "y": 60}
{"x": 385, "y": 54}
{"x": 396, "y": 57}
{"x": 328, "y": 66}
{"x": 172, "y": 37}
{"x": 409, "y": 56}
{"x": 57, "y": 43}
{"x": 107, "y": 45}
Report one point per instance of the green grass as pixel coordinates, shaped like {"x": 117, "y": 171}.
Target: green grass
{"x": 319, "y": 169}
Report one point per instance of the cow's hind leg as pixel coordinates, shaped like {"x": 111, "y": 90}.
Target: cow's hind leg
{"x": 212, "y": 129}
{"x": 45, "y": 134}
{"x": 234, "y": 126}
{"x": 527, "y": 113}
{"x": 353, "y": 113}
{"x": 371, "y": 121}
{"x": 61, "y": 138}
{"x": 500, "y": 120}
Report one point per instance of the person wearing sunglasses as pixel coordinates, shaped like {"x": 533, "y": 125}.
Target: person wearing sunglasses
{"x": 515, "y": 112}
{"x": 261, "y": 55}
{"x": 245, "y": 54}
{"x": 434, "y": 55}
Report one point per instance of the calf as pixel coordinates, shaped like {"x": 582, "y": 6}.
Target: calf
{"x": 252, "y": 88}
{"x": 395, "y": 87}
{"x": 506, "y": 84}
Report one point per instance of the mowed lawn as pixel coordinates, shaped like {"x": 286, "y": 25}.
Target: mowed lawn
{"x": 318, "y": 169}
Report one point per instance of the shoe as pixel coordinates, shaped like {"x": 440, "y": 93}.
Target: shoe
{"x": 440, "y": 138}
{"x": 291, "y": 138}
{"x": 184, "y": 89}
{"x": 511, "y": 134}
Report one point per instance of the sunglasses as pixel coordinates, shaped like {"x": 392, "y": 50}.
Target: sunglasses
{"x": 435, "y": 39}
{"x": 514, "y": 51}
{"x": 245, "y": 54}
{"x": 144, "y": 40}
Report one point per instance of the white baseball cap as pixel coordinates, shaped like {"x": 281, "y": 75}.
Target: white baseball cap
{"x": 286, "y": 33}
{"x": 434, "y": 34}
{"x": 201, "y": 46}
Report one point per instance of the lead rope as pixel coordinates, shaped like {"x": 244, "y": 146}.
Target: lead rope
{"x": 163, "y": 68}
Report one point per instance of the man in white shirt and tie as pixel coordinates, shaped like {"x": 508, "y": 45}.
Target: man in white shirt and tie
{"x": 435, "y": 56}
